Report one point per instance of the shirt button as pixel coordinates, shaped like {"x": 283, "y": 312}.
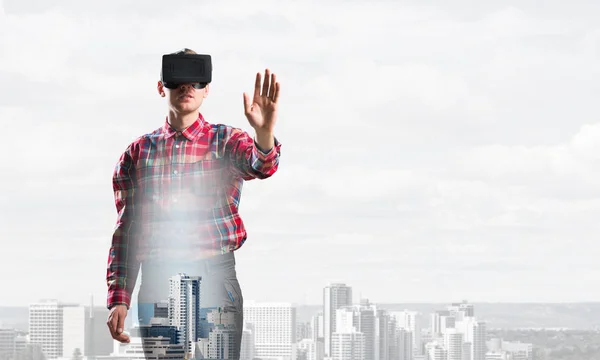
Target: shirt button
{"x": 175, "y": 172}
{"x": 177, "y": 146}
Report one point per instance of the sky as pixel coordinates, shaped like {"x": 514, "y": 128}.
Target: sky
{"x": 431, "y": 151}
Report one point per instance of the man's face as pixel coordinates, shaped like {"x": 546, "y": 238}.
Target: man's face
{"x": 185, "y": 98}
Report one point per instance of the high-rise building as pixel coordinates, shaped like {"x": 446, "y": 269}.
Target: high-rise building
{"x": 479, "y": 331}
{"x": 436, "y": 351}
{"x": 453, "y": 343}
{"x": 184, "y": 308}
{"x": 461, "y": 310}
{"x": 98, "y": 340}
{"x": 413, "y": 322}
{"x": 46, "y": 326}
{"x": 377, "y": 326}
{"x": 8, "y": 343}
{"x": 303, "y": 331}
{"x": 348, "y": 344}
{"x": 58, "y": 329}
{"x": 399, "y": 342}
{"x": 317, "y": 336}
{"x": 248, "y": 340}
{"x": 274, "y": 326}
{"x": 335, "y": 296}
{"x": 383, "y": 334}
{"x": 161, "y": 309}
{"x": 221, "y": 342}
{"x": 74, "y": 330}
{"x": 405, "y": 345}
{"x": 467, "y": 348}
{"x": 436, "y": 322}
{"x": 316, "y": 327}
{"x": 447, "y": 323}
{"x": 360, "y": 318}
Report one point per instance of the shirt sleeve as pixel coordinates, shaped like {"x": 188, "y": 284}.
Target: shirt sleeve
{"x": 248, "y": 161}
{"x": 123, "y": 266}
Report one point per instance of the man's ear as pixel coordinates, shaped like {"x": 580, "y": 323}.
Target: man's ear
{"x": 206, "y": 90}
{"x": 160, "y": 88}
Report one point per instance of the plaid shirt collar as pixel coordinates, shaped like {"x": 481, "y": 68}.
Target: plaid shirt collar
{"x": 192, "y": 132}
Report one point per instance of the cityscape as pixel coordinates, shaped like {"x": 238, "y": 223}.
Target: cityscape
{"x": 180, "y": 328}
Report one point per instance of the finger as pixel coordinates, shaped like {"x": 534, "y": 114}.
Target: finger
{"x": 265, "y": 89}
{"x": 120, "y": 324}
{"x": 276, "y": 94}
{"x": 257, "y": 86}
{"x": 247, "y": 103}
{"x": 112, "y": 327}
{"x": 272, "y": 86}
{"x": 124, "y": 338}
{"x": 112, "y": 323}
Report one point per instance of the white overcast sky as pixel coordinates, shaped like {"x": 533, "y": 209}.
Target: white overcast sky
{"x": 432, "y": 151}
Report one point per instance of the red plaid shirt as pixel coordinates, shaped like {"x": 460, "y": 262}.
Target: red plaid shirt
{"x": 177, "y": 194}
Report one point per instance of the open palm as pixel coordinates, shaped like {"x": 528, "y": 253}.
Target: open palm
{"x": 261, "y": 110}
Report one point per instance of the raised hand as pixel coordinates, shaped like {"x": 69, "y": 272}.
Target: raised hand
{"x": 261, "y": 110}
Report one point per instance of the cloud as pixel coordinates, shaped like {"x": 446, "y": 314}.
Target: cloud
{"x": 436, "y": 141}
{"x": 570, "y": 166}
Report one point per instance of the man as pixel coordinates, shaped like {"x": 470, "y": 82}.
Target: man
{"x": 177, "y": 192}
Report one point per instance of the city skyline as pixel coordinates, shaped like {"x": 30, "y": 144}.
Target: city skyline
{"x": 573, "y": 316}
{"x": 363, "y": 330}
{"x": 448, "y": 331}
{"x": 429, "y": 153}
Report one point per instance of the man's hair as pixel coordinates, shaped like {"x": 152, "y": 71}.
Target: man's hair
{"x": 184, "y": 51}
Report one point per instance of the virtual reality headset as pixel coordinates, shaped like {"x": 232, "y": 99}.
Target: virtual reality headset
{"x": 177, "y": 69}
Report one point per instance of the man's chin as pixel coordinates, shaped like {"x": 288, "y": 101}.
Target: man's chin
{"x": 186, "y": 108}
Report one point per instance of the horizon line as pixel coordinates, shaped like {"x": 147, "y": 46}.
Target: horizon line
{"x": 444, "y": 303}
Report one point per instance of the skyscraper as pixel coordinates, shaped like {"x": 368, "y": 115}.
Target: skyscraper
{"x": 335, "y": 296}
{"x": 74, "y": 328}
{"x": 274, "y": 326}
{"x": 46, "y": 327}
{"x": 413, "y": 322}
{"x": 184, "y": 308}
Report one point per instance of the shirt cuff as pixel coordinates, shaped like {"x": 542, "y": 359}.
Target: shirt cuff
{"x": 119, "y": 297}
{"x": 266, "y": 153}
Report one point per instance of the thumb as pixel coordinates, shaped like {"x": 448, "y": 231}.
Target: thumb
{"x": 247, "y": 103}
